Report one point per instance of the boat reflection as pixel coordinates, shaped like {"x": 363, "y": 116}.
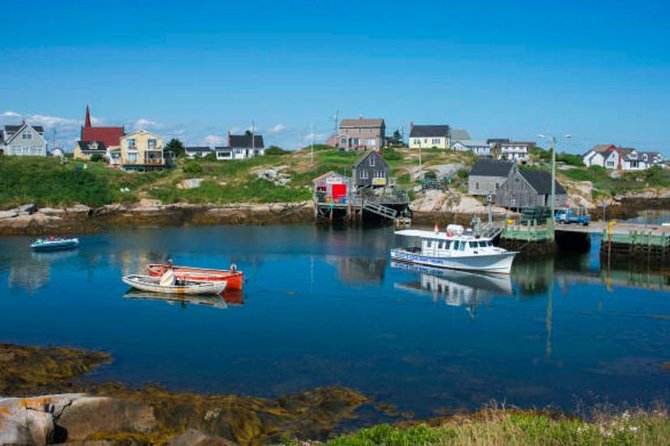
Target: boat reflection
{"x": 359, "y": 270}
{"x": 181, "y": 300}
{"x": 456, "y": 288}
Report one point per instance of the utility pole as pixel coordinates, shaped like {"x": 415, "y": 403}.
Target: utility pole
{"x": 554, "y": 144}
{"x": 253, "y": 138}
{"x": 311, "y": 145}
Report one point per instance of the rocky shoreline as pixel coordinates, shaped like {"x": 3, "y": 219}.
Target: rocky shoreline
{"x": 71, "y": 411}
{"x": 80, "y": 219}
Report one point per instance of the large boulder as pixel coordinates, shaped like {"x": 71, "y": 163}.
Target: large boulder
{"x": 24, "y": 426}
{"x": 190, "y": 183}
{"x": 90, "y": 415}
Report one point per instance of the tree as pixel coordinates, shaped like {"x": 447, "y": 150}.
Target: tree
{"x": 275, "y": 150}
{"x": 397, "y": 136}
{"x": 177, "y": 147}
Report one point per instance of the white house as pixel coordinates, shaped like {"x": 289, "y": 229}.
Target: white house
{"x": 517, "y": 151}
{"x": 612, "y": 157}
{"x": 479, "y": 148}
{"x": 241, "y": 147}
{"x": 197, "y": 152}
{"x": 23, "y": 140}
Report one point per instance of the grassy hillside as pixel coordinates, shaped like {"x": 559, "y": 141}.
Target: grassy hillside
{"x": 46, "y": 182}
{"x": 500, "y": 427}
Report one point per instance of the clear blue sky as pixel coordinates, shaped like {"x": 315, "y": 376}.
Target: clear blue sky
{"x": 598, "y": 70}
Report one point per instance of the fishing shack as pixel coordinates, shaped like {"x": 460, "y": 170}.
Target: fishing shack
{"x": 369, "y": 193}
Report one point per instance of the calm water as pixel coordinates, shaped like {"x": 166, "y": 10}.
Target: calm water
{"x": 324, "y": 307}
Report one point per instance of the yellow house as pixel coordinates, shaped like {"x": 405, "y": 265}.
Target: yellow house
{"x": 142, "y": 150}
{"x": 429, "y": 136}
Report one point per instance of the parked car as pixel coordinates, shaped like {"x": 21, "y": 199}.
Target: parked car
{"x": 572, "y": 215}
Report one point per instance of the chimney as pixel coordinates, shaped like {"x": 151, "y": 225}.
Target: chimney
{"x": 411, "y": 126}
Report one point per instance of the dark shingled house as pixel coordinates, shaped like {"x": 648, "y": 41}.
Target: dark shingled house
{"x": 529, "y": 189}
{"x": 371, "y": 170}
{"x": 487, "y": 175}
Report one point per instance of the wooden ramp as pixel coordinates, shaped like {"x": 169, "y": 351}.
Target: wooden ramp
{"x": 379, "y": 209}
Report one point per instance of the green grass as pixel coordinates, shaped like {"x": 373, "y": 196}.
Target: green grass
{"x": 501, "y": 427}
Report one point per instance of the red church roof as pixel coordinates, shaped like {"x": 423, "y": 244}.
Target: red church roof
{"x": 110, "y": 136}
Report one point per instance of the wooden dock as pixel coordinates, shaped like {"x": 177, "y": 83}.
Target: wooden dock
{"x": 631, "y": 240}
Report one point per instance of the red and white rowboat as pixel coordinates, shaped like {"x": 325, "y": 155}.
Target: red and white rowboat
{"x": 232, "y": 276}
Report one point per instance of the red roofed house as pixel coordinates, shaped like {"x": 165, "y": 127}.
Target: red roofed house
{"x": 94, "y": 138}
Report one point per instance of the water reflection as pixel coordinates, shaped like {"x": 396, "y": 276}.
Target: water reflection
{"x": 455, "y": 288}
{"x": 327, "y": 307}
{"x": 181, "y": 301}
{"x": 359, "y": 270}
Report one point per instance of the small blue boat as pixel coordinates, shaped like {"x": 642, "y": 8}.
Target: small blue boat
{"x": 54, "y": 244}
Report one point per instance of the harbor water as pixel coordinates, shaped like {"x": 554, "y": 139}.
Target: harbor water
{"x": 325, "y": 306}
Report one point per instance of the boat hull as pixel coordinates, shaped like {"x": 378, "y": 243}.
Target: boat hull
{"x": 234, "y": 279}
{"x": 60, "y": 245}
{"x": 152, "y": 285}
{"x": 492, "y": 263}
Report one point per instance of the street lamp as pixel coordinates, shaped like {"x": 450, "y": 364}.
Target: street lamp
{"x": 554, "y": 143}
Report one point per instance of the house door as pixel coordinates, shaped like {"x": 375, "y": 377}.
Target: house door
{"x": 339, "y": 191}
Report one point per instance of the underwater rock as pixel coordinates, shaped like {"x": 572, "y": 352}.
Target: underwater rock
{"x": 29, "y": 370}
{"x": 193, "y": 437}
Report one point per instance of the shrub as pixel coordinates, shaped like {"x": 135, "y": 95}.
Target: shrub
{"x": 274, "y": 150}
{"x": 192, "y": 167}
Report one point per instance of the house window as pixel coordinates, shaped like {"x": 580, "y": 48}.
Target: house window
{"x": 497, "y": 186}
{"x": 152, "y": 144}
{"x": 364, "y": 175}
{"x": 372, "y": 142}
{"x": 477, "y": 185}
{"x": 355, "y": 141}
{"x": 425, "y": 140}
{"x": 436, "y": 141}
{"x": 131, "y": 143}
{"x": 372, "y": 161}
{"x": 378, "y": 174}
{"x": 27, "y": 135}
{"x": 343, "y": 141}
{"x": 132, "y": 158}
{"x": 417, "y": 141}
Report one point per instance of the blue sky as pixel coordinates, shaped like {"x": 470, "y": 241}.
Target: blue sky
{"x": 597, "y": 70}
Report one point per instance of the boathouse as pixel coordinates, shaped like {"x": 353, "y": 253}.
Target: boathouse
{"x": 368, "y": 194}
{"x": 487, "y": 175}
{"x": 529, "y": 189}
{"x": 332, "y": 187}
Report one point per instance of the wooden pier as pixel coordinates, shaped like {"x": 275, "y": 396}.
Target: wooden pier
{"x": 619, "y": 240}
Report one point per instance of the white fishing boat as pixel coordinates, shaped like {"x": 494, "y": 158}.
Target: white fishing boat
{"x": 454, "y": 249}
{"x": 168, "y": 284}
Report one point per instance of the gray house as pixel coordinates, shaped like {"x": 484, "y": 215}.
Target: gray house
{"x": 487, "y": 175}
{"x": 528, "y": 189}
{"x": 371, "y": 170}
{"x": 23, "y": 140}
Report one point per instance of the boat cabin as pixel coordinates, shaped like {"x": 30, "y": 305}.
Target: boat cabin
{"x": 445, "y": 248}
